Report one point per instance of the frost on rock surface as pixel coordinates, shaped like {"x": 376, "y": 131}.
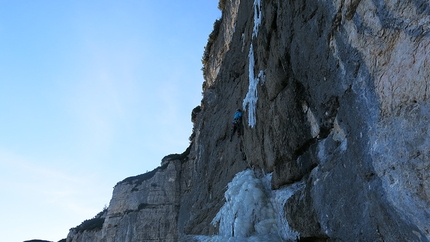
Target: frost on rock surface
{"x": 252, "y": 211}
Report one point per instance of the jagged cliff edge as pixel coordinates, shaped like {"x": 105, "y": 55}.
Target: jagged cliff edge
{"x": 337, "y": 101}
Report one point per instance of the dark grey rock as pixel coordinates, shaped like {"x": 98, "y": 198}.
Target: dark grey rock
{"x": 344, "y": 108}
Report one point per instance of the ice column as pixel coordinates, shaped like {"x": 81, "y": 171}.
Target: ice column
{"x": 251, "y": 97}
{"x": 257, "y": 17}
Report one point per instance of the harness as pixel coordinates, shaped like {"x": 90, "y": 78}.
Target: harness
{"x": 236, "y": 121}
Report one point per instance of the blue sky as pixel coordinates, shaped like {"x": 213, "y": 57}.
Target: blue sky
{"x": 91, "y": 92}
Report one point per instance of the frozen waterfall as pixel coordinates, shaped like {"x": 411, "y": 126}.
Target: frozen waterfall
{"x": 252, "y": 211}
{"x": 251, "y": 97}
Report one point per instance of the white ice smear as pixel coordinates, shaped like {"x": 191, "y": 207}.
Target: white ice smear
{"x": 278, "y": 200}
{"x": 257, "y": 17}
{"x": 252, "y": 211}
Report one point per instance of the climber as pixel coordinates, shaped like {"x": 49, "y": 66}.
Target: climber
{"x": 237, "y": 123}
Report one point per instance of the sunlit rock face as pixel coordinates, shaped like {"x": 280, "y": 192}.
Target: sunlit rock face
{"x": 142, "y": 208}
{"x": 340, "y": 105}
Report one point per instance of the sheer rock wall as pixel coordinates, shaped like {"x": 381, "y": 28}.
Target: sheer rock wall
{"x": 344, "y": 107}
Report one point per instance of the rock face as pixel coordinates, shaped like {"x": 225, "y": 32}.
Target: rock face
{"x": 341, "y": 96}
{"x": 142, "y": 208}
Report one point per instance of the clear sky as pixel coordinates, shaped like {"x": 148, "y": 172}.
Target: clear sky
{"x": 91, "y": 92}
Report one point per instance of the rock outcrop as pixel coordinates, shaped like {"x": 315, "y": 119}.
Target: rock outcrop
{"x": 340, "y": 102}
{"x": 140, "y": 205}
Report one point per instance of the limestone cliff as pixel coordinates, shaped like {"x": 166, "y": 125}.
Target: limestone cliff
{"x": 341, "y": 104}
